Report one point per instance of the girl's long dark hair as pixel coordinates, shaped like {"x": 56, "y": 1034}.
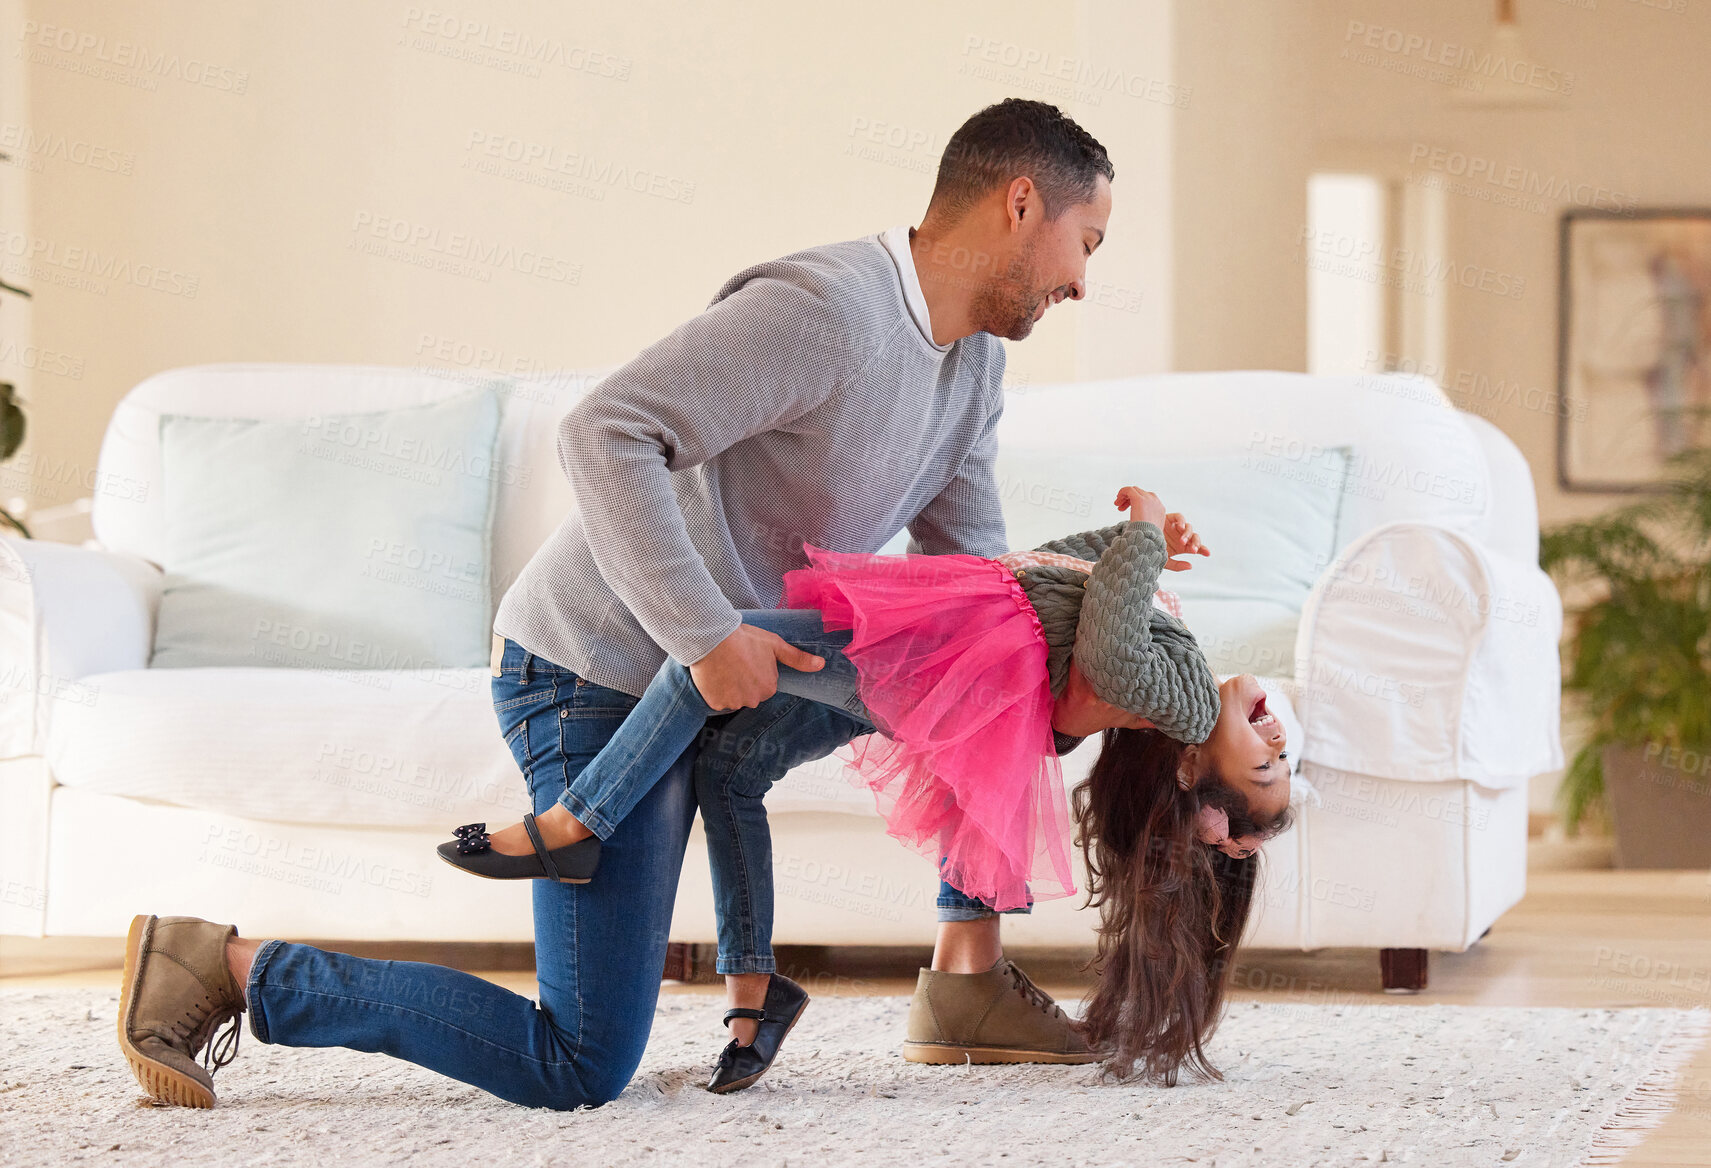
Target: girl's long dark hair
{"x": 1171, "y": 909}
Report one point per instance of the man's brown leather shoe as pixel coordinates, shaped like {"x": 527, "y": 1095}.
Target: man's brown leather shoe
{"x": 999, "y": 1016}
{"x": 176, "y": 992}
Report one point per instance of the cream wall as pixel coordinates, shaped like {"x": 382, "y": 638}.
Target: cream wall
{"x": 752, "y": 129}
{"x": 762, "y": 128}
{"x": 1637, "y": 124}
{"x": 1239, "y": 182}
{"x": 322, "y": 132}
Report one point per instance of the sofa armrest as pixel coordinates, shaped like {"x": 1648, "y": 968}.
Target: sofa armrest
{"x": 1511, "y": 523}
{"x": 66, "y": 613}
{"x": 1423, "y": 655}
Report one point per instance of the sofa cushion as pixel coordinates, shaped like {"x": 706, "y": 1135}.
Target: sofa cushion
{"x": 416, "y": 748}
{"x": 1272, "y": 526}
{"x": 401, "y": 748}
{"x": 407, "y": 749}
{"x": 825, "y": 784}
{"x": 356, "y": 541}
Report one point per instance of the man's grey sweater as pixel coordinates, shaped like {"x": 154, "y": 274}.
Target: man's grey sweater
{"x": 805, "y": 404}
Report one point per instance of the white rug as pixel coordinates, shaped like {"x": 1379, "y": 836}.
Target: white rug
{"x": 1430, "y": 1085}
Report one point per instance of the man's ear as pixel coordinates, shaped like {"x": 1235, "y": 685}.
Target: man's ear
{"x": 1017, "y": 197}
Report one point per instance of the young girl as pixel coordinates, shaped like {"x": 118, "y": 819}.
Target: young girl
{"x": 975, "y": 672}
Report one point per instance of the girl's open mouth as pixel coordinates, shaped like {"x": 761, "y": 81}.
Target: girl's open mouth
{"x": 1259, "y": 715}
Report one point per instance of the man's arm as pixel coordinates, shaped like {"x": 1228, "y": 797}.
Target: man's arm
{"x": 763, "y": 355}
{"x": 966, "y": 517}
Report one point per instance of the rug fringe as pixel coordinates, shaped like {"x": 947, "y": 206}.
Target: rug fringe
{"x": 1653, "y": 1097}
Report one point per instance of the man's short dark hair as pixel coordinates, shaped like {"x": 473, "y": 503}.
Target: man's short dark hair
{"x": 1013, "y": 138}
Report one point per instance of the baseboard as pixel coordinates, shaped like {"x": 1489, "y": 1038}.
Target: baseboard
{"x": 42, "y": 956}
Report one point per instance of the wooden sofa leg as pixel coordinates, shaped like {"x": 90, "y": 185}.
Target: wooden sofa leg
{"x": 1404, "y": 970}
{"x": 679, "y": 962}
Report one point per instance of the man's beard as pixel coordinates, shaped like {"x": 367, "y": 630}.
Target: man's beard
{"x": 1004, "y": 306}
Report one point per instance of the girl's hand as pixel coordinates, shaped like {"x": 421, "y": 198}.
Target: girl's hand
{"x": 1181, "y": 540}
{"x": 1142, "y": 506}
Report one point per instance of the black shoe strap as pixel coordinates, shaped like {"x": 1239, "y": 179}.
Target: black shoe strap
{"x": 540, "y": 846}
{"x": 744, "y": 1012}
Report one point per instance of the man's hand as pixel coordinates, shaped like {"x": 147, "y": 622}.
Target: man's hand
{"x": 1080, "y": 712}
{"x": 1181, "y": 540}
{"x": 742, "y": 670}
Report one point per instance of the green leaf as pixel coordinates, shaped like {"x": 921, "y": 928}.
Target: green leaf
{"x": 11, "y": 422}
{"x": 1639, "y": 655}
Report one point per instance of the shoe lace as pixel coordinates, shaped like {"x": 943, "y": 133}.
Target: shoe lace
{"x": 1031, "y": 992}
{"x": 193, "y": 1030}
{"x": 224, "y": 1048}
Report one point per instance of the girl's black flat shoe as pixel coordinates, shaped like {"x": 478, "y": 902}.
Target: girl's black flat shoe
{"x": 741, "y": 1066}
{"x": 473, "y": 852}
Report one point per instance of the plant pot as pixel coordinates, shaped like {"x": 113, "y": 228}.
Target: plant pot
{"x": 1660, "y": 806}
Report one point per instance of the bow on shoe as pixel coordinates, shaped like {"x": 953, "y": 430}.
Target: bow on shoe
{"x": 471, "y": 838}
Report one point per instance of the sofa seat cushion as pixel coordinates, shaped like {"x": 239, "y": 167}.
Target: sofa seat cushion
{"x": 400, "y": 748}
{"x": 1280, "y": 695}
{"x": 409, "y": 749}
{"x": 825, "y": 784}
{"x": 366, "y": 748}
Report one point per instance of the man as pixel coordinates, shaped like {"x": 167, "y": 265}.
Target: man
{"x": 972, "y": 1004}
{"x": 835, "y": 395}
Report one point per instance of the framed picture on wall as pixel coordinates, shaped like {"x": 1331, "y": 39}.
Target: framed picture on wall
{"x": 1634, "y": 345}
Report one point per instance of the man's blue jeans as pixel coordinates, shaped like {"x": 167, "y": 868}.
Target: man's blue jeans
{"x": 599, "y": 947}
{"x": 733, "y": 776}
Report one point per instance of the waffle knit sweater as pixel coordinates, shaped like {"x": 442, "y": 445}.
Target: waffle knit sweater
{"x": 805, "y": 403}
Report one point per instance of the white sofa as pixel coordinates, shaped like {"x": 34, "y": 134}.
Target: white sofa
{"x": 306, "y": 804}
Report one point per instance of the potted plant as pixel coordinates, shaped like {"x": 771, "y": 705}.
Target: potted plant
{"x": 11, "y": 437}
{"x": 1639, "y": 657}
{"x": 11, "y": 414}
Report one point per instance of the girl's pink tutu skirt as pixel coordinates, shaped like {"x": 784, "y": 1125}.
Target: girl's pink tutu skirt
{"x": 951, "y": 661}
